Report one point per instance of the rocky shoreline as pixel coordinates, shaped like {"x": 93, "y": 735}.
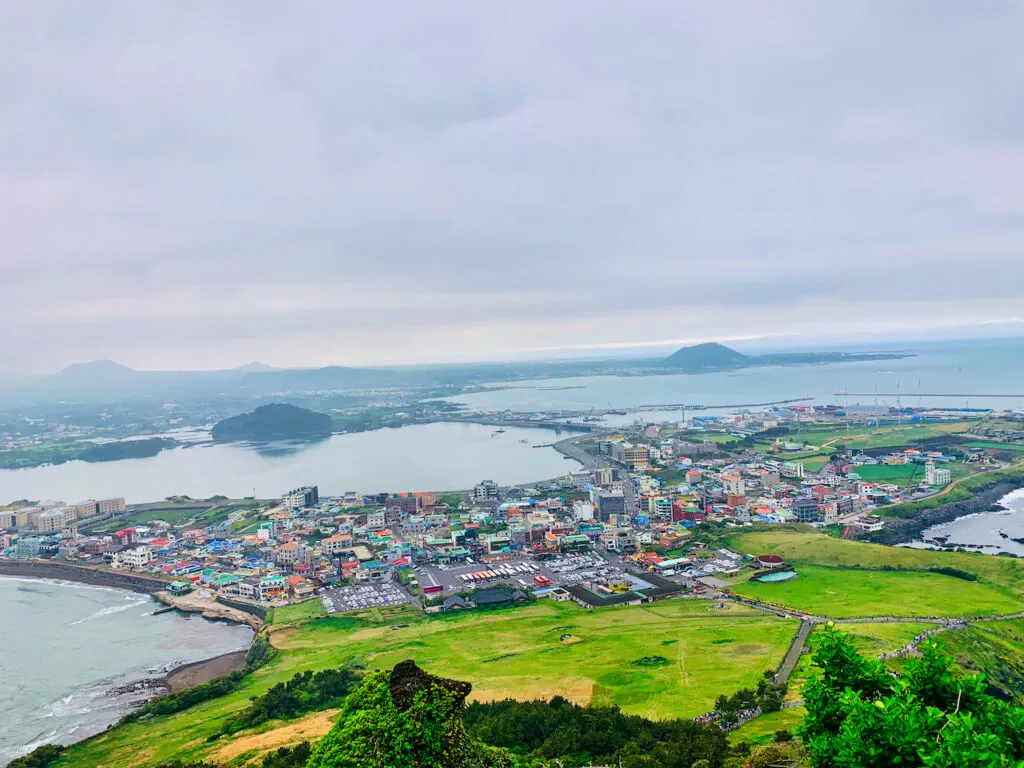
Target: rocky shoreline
{"x": 900, "y": 531}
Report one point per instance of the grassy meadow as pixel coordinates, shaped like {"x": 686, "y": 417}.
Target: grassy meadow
{"x": 843, "y": 578}
{"x": 515, "y": 652}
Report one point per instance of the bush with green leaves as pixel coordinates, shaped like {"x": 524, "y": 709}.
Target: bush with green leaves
{"x": 404, "y": 719}
{"x": 860, "y": 715}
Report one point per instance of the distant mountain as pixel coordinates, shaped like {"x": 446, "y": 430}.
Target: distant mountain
{"x": 702, "y": 358}
{"x": 277, "y": 421}
{"x": 97, "y": 373}
{"x": 255, "y": 367}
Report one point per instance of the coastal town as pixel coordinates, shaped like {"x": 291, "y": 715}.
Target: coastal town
{"x": 632, "y": 525}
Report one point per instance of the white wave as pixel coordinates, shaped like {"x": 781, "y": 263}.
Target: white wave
{"x": 66, "y": 583}
{"x": 108, "y": 611}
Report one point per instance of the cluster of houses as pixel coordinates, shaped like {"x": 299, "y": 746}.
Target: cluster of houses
{"x": 653, "y": 491}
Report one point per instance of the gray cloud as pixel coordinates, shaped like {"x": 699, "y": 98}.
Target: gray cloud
{"x": 346, "y": 183}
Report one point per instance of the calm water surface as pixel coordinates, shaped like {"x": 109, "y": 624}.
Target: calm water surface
{"x": 66, "y": 645}
{"x": 993, "y": 368}
{"x": 443, "y": 456}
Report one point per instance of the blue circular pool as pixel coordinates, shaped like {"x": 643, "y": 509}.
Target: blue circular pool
{"x": 777, "y": 576}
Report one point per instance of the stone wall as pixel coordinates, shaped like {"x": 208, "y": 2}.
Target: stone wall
{"x": 55, "y": 569}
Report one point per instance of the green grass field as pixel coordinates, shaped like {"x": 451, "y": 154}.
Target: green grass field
{"x": 827, "y": 583}
{"x": 761, "y": 730}
{"x": 842, "y": 593}
{"x": 994, "y": 648}
{"x": 507, "y": 653}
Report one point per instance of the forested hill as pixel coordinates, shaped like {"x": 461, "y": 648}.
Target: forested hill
{"x": 707, "y": 357}
{"x": 277, "y": 421}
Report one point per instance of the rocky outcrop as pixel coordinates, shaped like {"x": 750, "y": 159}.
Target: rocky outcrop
{"x": 898, "y": 531}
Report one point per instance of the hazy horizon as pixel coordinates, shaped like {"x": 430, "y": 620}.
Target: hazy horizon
{"x": 617, "y": 353}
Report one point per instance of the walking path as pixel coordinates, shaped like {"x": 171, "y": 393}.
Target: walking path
{"x": 808, "y": 621}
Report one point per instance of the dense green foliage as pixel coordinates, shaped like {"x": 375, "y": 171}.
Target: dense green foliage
{"x": 276, "y": 421}
{"x": 41, "y": 757}
{"x": 305, "y": 692}
{"x": 60, "y": 453}
{"x": 578, "y": 736}
{"x": 260, "y": 652}
{"x": 373, "y": 731}
{"x": 860, "y": 716}
{"x": 767, "y": 697}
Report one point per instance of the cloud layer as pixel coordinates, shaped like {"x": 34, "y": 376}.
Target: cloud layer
{"x": 198, "y": 185}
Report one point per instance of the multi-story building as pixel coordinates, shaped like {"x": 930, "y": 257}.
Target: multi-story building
{"x": 603, "y": 476}
{"x": 581, "y": 479}
{"x": 24, "y": 517}
{"x": 84, "y": 509}
{"x": 112, "y": 506}
{"x": 413, "y": 527}
{"x": 733, "y": 484}
{"x": 805, "y": 509}
{"x": 290, "y": 553}
{"x": 55, "y": 520}
{"x": 609, "y": 504}
{"x": 637, "y": 456}
{"x": 485, "y": 491}
{"x": 135, "y": 559}
{"x": 27, "y": 547}
{"x": 582, "y": 510}
{"x": 376, "y": 521}
{"x": 332, "y": 545}
{"x": 301, "y": 498}
{"x": 935, "y": 476}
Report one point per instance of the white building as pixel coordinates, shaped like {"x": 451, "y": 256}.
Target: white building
{"x": 582, "y": 510}
{"x": 935, "y": 476}
{"x": 135, "y": 559}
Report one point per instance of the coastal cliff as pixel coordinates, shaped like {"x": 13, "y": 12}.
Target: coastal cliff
{"x": 898, "y": 531}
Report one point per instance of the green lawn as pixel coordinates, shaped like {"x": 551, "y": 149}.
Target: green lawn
{"x": 810, "y": 548}
{"x": 514, "y": 652}
{"x": 761, "y": 730}
{"x": 840, "y": 593}
{"x": 894, "y": 473}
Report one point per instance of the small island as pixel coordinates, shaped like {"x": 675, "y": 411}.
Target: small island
{"x": 277, "y": 421}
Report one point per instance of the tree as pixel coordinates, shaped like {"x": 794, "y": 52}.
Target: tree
{"x": 859, "y": 715}
{"x": 404, "y": 719}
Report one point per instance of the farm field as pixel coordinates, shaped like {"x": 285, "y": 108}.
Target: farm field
{"x": 515, "y": 652}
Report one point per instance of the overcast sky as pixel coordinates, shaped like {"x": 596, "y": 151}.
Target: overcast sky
{"x": 198, "y": 185}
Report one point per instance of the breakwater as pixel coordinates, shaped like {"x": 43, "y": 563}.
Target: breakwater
{"x": 97, "y": 577}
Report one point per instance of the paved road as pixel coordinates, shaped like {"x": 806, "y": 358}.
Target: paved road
{"x": 793, "y": 656}
{"x": 568, "y": 448}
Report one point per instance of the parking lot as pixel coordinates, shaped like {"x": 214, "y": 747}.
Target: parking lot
{"x": 339, "y": 599}
{"x": 562, "y": 570}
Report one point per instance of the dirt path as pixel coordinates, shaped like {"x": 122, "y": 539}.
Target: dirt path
{"x": 309, "y": 728}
